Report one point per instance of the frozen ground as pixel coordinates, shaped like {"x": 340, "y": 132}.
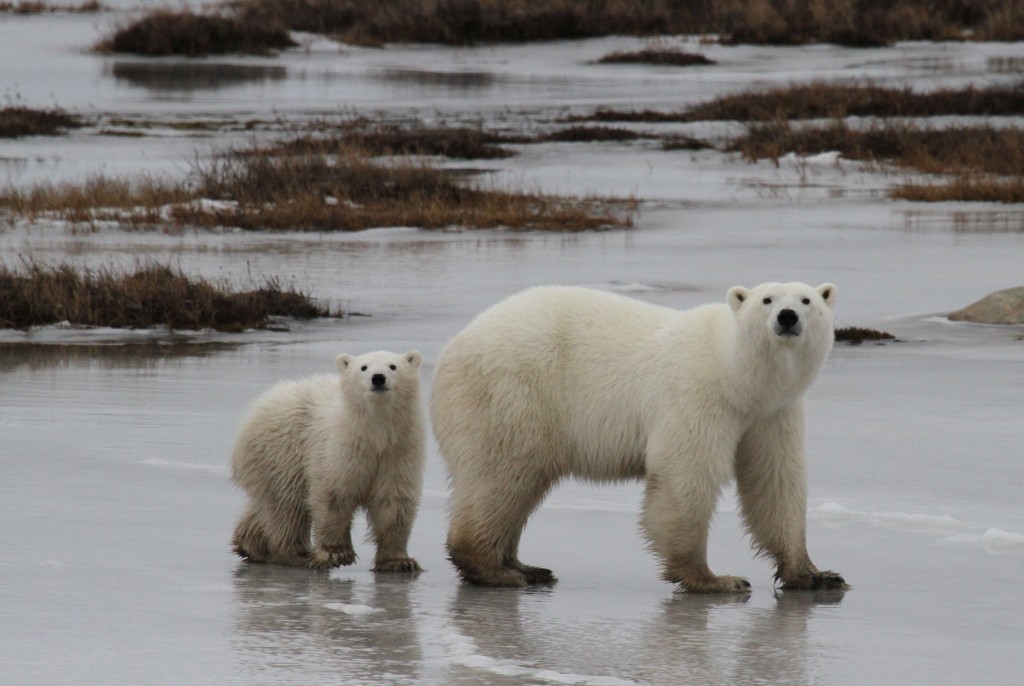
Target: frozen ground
{"x": 115, "y": 503}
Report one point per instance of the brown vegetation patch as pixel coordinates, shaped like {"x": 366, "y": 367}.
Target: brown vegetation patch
{"x": 963, "y": 188}
{"x": 855, "y": 335}
{"x": 151, "y": 295}
{"x": 136, "y": 201}
{"x": 587, "y": 134}
{"x": 457, "y": 142}
{"x": 16, "y": 121}
{"x": 349, "y": 191}
{"x": 36, "y": 7}
{"x": 167, "y": 32}
{"x": 954, "y": 149}
{"x": 683, "y": 142}
{"x": 658, "y": 56}
{"x": 824, "y": 100}
{"x": 785, "y": 22}
{"x": 820, "y": 100}
{"x": 301, "y": 186}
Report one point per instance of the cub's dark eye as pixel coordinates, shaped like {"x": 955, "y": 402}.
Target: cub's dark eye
{"x": 393, "y": 367}
{"x": 767, "y": 301}
{"x": 364, "y": 368}
{"x": 806, "y": 301}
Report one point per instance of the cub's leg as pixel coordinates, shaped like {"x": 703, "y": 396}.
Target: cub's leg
{"x": 391, "y": 517}
{"x": 332, "y": 514}
{"x": 250, "y": 541}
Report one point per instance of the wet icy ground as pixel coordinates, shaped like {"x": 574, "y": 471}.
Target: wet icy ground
{"x": 116, "y": 508}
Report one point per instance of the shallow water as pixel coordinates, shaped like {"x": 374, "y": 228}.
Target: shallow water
{"x": 116, "y": 507}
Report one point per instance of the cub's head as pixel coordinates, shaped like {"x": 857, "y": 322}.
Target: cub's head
{"x": 789, "y": 313}
{"x": 379, "y": 375}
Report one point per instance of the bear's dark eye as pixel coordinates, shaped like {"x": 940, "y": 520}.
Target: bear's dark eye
{"x": 806, "y": 301}
{"x": 767, "y": 301}
{"x": 393, "y": 367}
{"x": 364, "y": 368}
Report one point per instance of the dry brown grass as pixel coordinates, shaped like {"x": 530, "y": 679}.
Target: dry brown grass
{"x": 820, "y": 100}
{"x": 169, "y": 32}
{"x": 17, "y": 121}
{"x": 303, "y": 184}
{"x": 856, "y": 335}
{"x": 963, "y": 188}
{"x": 35, "y": 294}
{"x": 948, "y": 150}
{"x": 406, "y": 138}
{"x": 348, "y": 191}
{"x": 37, "y": 7}
{"x": 658, "y": 56}
{"x": 136, "y": 201}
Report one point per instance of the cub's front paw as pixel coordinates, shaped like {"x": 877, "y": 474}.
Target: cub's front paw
{"x": 327, "y": 557}
{"x": 397, "y": 564}
{"x": 716, "y": 584}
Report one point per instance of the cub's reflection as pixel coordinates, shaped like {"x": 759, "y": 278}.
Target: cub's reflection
{"x": 311, "y": 626}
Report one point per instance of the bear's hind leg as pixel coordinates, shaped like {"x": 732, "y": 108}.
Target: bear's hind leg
{"x": 287, "y": 527}
{"x": 483, "y": 538}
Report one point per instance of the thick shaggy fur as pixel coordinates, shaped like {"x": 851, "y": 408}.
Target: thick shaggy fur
{"x": 311, "y": 453}
{"x": 562, "y": 381}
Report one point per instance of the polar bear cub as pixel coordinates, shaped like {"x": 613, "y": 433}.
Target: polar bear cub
{"x": 563, "y": 381}
{"x": 310, "y": 453}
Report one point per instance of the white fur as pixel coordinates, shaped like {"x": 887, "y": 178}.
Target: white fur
{"x": 563, "y": 381}
{"x": 310, "y": 453}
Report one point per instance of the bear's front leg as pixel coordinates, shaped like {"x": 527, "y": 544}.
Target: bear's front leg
{"x": 772, "y": 487}
{"x": 679, "y": 502}
{"x": 332, "y": 529}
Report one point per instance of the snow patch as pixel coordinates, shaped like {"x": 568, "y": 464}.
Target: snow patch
{"x": 942, "y": 526}
{"x": 186, "y": 466}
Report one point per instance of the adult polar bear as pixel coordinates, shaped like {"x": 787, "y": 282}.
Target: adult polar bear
{"x": 566, "y": 381}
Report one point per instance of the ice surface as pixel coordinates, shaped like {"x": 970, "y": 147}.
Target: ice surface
{"x": 115, "y": 503}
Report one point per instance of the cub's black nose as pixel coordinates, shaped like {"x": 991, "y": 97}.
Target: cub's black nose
{"x": 788, "y": 318}
{"x": 378, "y": 380}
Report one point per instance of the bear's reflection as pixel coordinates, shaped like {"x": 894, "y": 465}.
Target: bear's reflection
{"x": 296, "y": 624}
{"x": 705, "y": 639}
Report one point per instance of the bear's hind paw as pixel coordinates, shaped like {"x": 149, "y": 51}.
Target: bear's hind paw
{"x": 397, "y": 564}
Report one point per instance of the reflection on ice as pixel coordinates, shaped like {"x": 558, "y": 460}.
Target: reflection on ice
{"x": 178, "y": 77}
{"x": 301, "y": 625}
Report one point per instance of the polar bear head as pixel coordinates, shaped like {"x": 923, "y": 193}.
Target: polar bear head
{"x": 787, "y": 313}
{"x": 378, "y": 375}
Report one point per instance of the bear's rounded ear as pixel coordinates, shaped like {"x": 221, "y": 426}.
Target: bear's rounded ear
{"x": 828, "y": 293}
{"x": 414, "y": 358}
{"x": 342, "y": 362}
{"x": 736, "y": 297}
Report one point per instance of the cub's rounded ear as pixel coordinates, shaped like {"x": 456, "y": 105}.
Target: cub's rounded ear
{"x": 342, "y": 362}
{"x": 414, "y": 358}
{"x": 736, "y": 296}
{"x": 828, "y": 293}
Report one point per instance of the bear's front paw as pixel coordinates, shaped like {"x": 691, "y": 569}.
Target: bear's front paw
{"x": 717, "y": 584}
{"x": 397, "y": 564}
{"x": 327, "y": 557}
{"x": 817, "y": 581}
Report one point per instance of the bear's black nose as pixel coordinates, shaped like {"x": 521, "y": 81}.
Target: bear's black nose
{"x": 378, "y": 380}
{"x": 788, "y": 318}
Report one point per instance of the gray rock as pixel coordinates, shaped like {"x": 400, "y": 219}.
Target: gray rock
{"x": 1001, "y": 307}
